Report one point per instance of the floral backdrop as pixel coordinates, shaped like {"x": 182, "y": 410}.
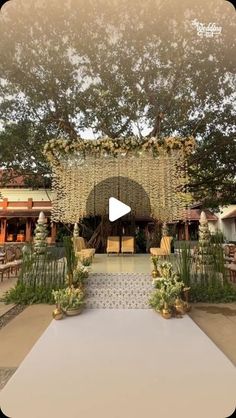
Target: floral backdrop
{"x": 159, "y": 166}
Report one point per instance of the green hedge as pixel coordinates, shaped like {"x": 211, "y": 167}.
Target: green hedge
{"x": 216, "y": 293}
{"x": 26, "y": 295}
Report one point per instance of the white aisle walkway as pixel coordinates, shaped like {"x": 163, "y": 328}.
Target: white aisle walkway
{"x": 122, "y": 364}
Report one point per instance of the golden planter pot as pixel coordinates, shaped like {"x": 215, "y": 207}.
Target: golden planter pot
{"x": 57, "y": 314}
{"x": 73, "y": 312}
{"x": 186, "y": 297}
{"x": 187, "y": 307}
{"x": 155, "y": 274}
{"x": 166, "y": 312}
{"x": 179, "y": 306}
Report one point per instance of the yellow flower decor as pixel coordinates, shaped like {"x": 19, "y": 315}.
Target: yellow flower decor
{"x": 158, "y": 165}
{"x": 59, "y": 148}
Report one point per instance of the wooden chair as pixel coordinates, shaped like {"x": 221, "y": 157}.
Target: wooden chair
{"x": 81, "y": 250}
{"x": 113, "y": 245}
{"x": 5, "y": 269}
{"x": 232, "y": 272}
{"x": 127, "y": 245}
{"x": 164, "y": 249}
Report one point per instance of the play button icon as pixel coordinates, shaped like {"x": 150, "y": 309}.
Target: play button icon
{"x": 117, "y": 209}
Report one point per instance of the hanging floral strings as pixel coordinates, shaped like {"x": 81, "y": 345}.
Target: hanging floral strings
{"x": 157, "y": 165}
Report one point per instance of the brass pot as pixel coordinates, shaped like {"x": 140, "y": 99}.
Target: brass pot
{"x": 186, "y": 297}
{"x": 166, "y": 312}
{"x": 57, "y": 314}
{"x": 155, "y": 274}
{"x": 187, "y": 306}
{"x": 73, "y": 312}
{"x": 179, "y": 306}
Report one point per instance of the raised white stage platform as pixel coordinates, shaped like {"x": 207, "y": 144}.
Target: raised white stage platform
{"x": 122, "y": 364}
{"x": 122, "y": 263}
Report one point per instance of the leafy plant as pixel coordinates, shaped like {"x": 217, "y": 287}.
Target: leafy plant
{"x": 86, "y": 261}
{"x": 79, "y": 275}
{"x": 155, "y": 260}
{"x": 39, "y": 275}
{"x": 71, "y": 259}
{"x": 168, "y": 287}
{"x": 217, "y": 293}
{"x": 217, "y": 238}
{"x": 184, "y": 263}
{"x": 27, "y": 294}
{"x": 69, "y": 298}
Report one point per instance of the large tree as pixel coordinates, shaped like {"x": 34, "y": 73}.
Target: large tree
{"x": 117, "y": 68}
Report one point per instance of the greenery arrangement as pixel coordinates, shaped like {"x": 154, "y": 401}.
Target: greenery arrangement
{"x": 168, "y": 288}
{"x": 71, "y": 259}
{"x": 79, "y": 275}
{"x": 39, "y": 275}
{"x": 204, "y": 269}
{"x": 69, "y": 298}
{"x": 155, "y": 261}
{"x": 213, "y": 292}
{"x": 184, "y": 263}
{"x": 86, "y": 261}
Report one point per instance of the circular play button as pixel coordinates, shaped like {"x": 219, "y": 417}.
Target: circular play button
{"x": 117, "y": 196}
{"x": 117, "y": 209}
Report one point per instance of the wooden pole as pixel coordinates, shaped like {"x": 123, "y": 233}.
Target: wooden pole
{"x": 28, "y": 232}
{"x": 53, "y": 232}
{"x": 3, "y": 229}
{"x": 186, "y": 231}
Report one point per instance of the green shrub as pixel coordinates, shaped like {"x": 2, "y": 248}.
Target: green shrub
{"x": 42, "y": 269}
{"x": 184, "y": 263}
{"x": 27, "y": 294}
{"x": 212, "y": 293}
{"x": 39, "y": 275}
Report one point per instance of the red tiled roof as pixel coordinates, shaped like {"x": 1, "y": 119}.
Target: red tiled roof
{"x": 23, "y": 213}
{"x": 194, "y": 215}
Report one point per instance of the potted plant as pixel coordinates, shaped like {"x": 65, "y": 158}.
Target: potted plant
{"x": 79, "y": 275}
{"x": 70, "y": 300}
{"x": 155, "y": 266}
{"x": 167, "y": 290}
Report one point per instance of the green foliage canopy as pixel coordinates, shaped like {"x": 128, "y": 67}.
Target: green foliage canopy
{"x": 117, "y": 68}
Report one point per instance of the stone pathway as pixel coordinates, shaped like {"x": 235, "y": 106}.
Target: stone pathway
{"x": 10, "y": 314}
{"x": 118, "y": 290}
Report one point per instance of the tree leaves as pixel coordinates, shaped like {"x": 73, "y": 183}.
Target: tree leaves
{"x": 115, "y": 68}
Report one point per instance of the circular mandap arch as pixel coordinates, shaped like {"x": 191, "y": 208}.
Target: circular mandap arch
{"x": 150, "y": 175}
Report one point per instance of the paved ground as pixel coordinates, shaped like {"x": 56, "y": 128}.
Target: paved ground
{"x": 218, "y": 321}
{"x": 21, "y": 333}
{"x": 5, "y": 285}
{"x": 128, "y": 363}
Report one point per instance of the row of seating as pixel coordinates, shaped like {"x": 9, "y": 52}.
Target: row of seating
{"x": 123, "y": 245}
{"x": 118, "y": 245}
{"x": 126, "y": 245}
{"x": 10, "y": 261}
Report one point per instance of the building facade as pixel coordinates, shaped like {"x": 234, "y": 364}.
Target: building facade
{"x": 19, "y": 210}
